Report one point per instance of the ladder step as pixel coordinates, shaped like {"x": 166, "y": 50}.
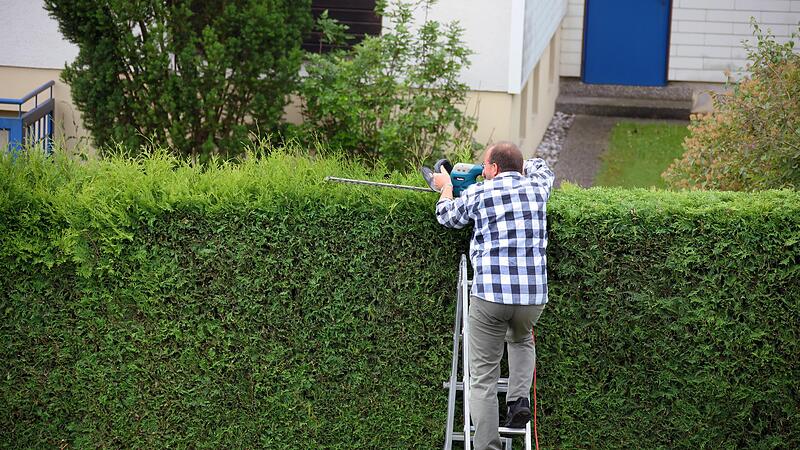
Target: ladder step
{"x": 459, "y": 435}
{"x": 506, "y": 441}
{"x": 502, "y": 385}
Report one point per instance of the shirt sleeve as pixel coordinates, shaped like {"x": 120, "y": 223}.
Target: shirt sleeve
{"x": 453, "y": 213}
{"x": 537, "y": 170}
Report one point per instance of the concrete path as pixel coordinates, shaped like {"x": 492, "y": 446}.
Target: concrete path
{"x": 673, "y": 101}
{"x": 587, "y": 139}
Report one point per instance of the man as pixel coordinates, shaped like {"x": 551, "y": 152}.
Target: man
{"x": 509, "y": 288}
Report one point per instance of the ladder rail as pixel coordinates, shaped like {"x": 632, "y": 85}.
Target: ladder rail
{"x": 465, "y": 349}
{"x": 453, "y": 384}
{"x": 462, "y": 319}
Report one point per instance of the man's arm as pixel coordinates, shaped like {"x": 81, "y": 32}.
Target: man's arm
{"x": 536, "y": 169}
{"x": 452, "y": 213}
{"x": 446, "y": 190}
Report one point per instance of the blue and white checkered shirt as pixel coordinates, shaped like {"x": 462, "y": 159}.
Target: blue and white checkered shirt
{"x": 510, "y": 236}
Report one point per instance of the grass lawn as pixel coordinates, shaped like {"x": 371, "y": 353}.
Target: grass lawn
{"x": 639, "y": 152}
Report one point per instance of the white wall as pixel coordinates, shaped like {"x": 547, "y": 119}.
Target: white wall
{"x": 508, "y": 37}
{"x": 486, "y": 26}
{"x": 707, "y": 35}
{"x": 30, "y": 38}
{"x": 572, "y": 39}
{"x": 542, "y": 19}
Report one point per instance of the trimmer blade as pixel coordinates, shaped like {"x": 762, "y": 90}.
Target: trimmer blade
{"x": 427, "y": 174}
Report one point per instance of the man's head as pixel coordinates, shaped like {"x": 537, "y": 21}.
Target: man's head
{"x": 501, "y": 157}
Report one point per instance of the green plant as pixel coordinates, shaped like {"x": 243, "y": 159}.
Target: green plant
{"x": 196, "y": 76}
{"x": 331, "y": 31}
{"x": 395, "y": 97}
{"x": 152, "y": 303}
{"x": 752, "y": 141}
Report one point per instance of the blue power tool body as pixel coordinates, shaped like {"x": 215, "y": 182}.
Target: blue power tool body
{"x": 464, "y": 175}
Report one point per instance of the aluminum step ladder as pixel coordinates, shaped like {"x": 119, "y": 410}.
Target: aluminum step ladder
{"x": 460, "y": 335}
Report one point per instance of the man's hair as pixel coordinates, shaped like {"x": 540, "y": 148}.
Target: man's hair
{"x": 507, "y": 156}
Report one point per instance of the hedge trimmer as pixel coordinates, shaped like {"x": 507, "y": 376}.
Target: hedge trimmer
{"x": 462, "y": 175}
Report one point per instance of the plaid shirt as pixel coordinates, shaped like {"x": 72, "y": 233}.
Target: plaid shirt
{"x": 508, "y": 245}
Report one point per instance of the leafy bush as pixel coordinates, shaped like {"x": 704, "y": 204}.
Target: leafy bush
{"x": 198, "y": 76}
{"x": 396, "y": 97}
{"x": 148, "y": 303}
{"x": 752, "y": 141}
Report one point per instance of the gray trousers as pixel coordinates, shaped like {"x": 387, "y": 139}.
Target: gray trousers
{"x": 489, "y": 325}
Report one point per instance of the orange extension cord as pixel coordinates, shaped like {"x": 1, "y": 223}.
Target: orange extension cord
{"x": 535, "y": 432}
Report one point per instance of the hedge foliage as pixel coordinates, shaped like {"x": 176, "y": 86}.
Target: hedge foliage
{"x": 147, "y": 303}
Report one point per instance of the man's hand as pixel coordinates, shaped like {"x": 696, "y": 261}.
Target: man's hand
{"x": 440, "y": 179}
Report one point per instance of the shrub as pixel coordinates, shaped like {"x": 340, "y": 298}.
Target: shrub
{"x": 752, "y": 141}
{"x": 148, "y": 303}
{"x": 396, "y": 97}
{"x": 197, "y": 76}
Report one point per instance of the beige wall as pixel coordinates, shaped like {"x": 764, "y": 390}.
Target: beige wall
{"x": 494, "y": 113}
{"x": 15, "y": 82}
{"x": 293, "y": 112}
{"x": 535, "y": 111}
{"x": 520, "y": 118}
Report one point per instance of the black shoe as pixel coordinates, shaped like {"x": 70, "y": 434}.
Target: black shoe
{"x": 519, "y": 413}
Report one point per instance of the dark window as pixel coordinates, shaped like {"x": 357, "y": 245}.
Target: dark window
{"x": 359, "y": 15}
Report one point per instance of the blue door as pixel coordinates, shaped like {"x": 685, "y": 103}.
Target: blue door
{"x": 626, "y": 42}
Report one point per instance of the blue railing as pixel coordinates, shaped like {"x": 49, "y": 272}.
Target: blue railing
{"x": 33, "y": 127}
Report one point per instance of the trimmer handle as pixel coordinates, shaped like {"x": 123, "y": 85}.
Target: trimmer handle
{"x": 448, "y": 166}
{"x": 427, "y": 173}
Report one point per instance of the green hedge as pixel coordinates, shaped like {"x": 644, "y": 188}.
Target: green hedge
{"x": 148, "y": 304}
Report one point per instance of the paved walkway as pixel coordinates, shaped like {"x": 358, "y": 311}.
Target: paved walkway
{"x": 587, "y": 139}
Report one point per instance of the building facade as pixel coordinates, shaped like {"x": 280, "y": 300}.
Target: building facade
{"x": 33, "y": 53}
{"x": 696, "y": 40}
{"x": 513, "y": 78}
{"x": 520, "y": 49}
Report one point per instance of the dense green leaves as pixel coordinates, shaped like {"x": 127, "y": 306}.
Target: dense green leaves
{"x": 674, "y": 320}
{"x": 147, "y": 303}
{"x": 198, "y": 76}
{"x": 752, "y": 141}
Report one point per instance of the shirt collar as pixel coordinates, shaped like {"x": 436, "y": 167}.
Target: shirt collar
{"x": 506, "y": 173}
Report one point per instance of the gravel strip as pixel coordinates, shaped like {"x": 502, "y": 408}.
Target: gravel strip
{"x": 554, "y": 138}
